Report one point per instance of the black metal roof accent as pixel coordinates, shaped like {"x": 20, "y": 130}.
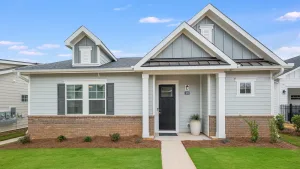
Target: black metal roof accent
{"x": 254, "y": 62}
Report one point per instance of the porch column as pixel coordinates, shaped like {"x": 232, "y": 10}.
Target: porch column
{"x": 220, "y": 114}
{"x": 145, "y": 105}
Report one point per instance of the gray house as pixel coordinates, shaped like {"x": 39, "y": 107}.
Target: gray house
{"x": 13, "y": 96}
{"x": 208, "y": 66}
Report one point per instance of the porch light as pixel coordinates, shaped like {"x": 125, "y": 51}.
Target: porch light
{"x": 283, "y": 91}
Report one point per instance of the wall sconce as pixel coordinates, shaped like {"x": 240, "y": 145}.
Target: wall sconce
{"x": 283, "y": 91}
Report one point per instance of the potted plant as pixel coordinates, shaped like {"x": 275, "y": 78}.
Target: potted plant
{"x": 195, "y": 124}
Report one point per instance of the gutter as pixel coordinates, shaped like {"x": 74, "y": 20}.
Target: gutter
{"x": 278, "y": 74}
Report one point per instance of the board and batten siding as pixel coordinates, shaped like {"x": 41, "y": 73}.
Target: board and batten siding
{"x": 85, "y": 41}
{"x": 182, "y": 47}
{"x": 225, "y": 42}
{"x": 188, "y": 104}
{"x": 128, "y": 92}
{"x": 11, "y": 90}
{"x": 259, "y": 104}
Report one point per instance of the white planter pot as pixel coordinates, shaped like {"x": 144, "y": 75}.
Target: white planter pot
{"x": 195, "y": 126}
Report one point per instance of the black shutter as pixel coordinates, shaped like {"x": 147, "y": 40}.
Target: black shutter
{"x": 61, "y": 99}
{"x": 110, "y": 106}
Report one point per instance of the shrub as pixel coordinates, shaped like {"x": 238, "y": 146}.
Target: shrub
{"x": 253, "y": 129}
{"x": 296, "y": 122}
{"x": 115, "y": 137}
{"x": 274, "y": 137}
{"x": 61, "y": 138}
{"x": 87, "y": 139}
{"x": 195, "y": 117}
{"x": 279, "y": 121}
{"x": 138, "y": 140}
{"x": 25, "y": 139}
{"x": 224, "y": 141}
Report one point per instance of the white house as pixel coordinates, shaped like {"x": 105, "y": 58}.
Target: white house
{"x": 208, "y": 66}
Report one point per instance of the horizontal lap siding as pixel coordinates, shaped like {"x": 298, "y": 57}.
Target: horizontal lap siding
{"x": 128, "y": 92}
{"x": 253, "y": 105}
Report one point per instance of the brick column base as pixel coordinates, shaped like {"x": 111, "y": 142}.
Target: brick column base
{"x": 79, "y": 126}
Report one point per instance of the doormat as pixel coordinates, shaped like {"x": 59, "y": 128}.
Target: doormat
{"x": 168, "y": 134}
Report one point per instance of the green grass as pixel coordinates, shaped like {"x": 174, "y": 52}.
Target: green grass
{"x": 244, "y": 158}
{"x": 12, "y": 135}
{"x": 295, "y": 140}
{"x": 107, "y": 158}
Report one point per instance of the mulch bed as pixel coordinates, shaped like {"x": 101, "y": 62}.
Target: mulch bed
{"x": 97, "y": 142}
{"x": 290, "y": 131}
{"x": 238, "y": 142}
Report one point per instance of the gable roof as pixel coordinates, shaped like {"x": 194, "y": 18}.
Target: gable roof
{"x": 259, "y": 47}
{"x": 296, "y": 61}
{"x": 80, "y": 32}
{"x": 196, "y": 37}
{"x": 14, "y": 62}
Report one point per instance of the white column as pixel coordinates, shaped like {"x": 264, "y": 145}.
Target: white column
{"x": 220, "y": 114}
{"x": 145, "y": 105}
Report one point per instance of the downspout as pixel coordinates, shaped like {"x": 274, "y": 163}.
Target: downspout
{"x": 279, "y": 73}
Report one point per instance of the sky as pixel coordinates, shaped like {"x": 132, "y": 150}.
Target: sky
{"x": 35, "y": 30}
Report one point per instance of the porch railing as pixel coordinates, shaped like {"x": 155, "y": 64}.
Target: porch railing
{"x": 289, "y": 110}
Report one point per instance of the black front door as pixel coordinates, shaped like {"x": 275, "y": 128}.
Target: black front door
{"x": 167, "y": 115}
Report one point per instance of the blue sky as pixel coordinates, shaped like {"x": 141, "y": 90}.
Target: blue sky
{"x": 35, "y": 30}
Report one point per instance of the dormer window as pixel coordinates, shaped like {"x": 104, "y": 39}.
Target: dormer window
{"x": 85, "y": 54}
{"x": 206, "y": 31}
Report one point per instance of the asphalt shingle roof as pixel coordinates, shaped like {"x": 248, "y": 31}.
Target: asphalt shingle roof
{"x": 67, "y": 64}
{"x": 295, "y": 60}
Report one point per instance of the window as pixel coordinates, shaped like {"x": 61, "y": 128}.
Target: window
{"x": 206, "y": 31}
{"x": 97, "y": 99}
{"x": 245, "y": 87}
{"x": 24, "y": 98}
{"x": 74, "y": 99}
{"x": 85, "y": 54}
{"x": 166, "y": 91}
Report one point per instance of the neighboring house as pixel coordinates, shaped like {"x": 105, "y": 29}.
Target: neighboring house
{"x": 287, "y": 86}
{"x": 208, "y": 66}
{"x": 13, "y": 96}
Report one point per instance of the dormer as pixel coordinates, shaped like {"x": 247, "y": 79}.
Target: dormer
{"x": 88, "y": 49}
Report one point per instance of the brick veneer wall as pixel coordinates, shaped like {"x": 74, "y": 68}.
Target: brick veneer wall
{"x": 237, "y": 127}
{"x": 78, "y": 126}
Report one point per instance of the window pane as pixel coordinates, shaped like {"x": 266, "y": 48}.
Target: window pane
{"x": 242, "y": 91}
{"x": 248, "y": 91}
{"x": 74, "y": 106}
{"x": 100, "y": 88}
{"x": 248, "y": 85}
{"x": 70, "y": 87}
{"x": 92, "y": 95}
{"x": 100, "y": 95}
{"x": 92, "y": 87}
{"x": 78, "y": 95}
{"x": 242, "y": 85}
{"x": 97, "y": 106}
{"x": 78, "y": 87}
{"x": 70, "y": 95}
{"x": 166, "y": 92}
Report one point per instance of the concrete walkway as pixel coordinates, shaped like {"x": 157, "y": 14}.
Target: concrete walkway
{"x": 9, "y": 141}
{"x": 174, "y": 156}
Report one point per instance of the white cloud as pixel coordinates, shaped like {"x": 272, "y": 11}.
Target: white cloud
{"x": 65, "y": 55}
{"x": 153, "y": 19}
{"x": 31, "y": 52}
{"x": 286, "y": 52}
{"x": 173, "y": 24}
{"x": 122, "y": 8}
{"x": 48, "y": 46}
{"x": 290, "y": 16}
{"x": 18, "y": 47}
{"x": 10, "y": 43}
{"x": 119, "y": 53}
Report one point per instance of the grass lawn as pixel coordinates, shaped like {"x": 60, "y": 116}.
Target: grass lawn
{"x": 244, "y": 158}
{"x": 107, "y": 158}
{"x": 13, "y": 134}
{"x": 295, "y": 140}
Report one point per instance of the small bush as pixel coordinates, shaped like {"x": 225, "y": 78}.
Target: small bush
{"x": 87, "y": 139}
{"x": 61, "y": 138}
{"x": 280, "y": 121}
{"x": 115, "y": 137}
{"x": 274, "y": 137}
{"x": 25, "y": 139}
{"x": 138, "y": 140}
{"x": 195, "y": 117}
{"x": 224, "y": 141}
{"x": 296, "y": 122}
{"x": 253, "y": 129}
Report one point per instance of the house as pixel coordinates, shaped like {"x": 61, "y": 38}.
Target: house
{"x": 208, "y": 66}
{"x": 13, "y": 96}
{"x": 287, "y": 88}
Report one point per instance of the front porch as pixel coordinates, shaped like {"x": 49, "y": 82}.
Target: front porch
{"x": 173, "y": 98}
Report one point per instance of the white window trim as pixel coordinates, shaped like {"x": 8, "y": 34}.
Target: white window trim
{"x": 66, "y": 99}
{"x": 208, "y": 27}
{"x": 85, "y": 95}
{"x": 96, "y": 98}
{"x": 238, "y": 81}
